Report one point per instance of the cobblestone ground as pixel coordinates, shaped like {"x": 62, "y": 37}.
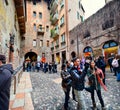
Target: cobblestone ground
{"x": 47, "y": 93}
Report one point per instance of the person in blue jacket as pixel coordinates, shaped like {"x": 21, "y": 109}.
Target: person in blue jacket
{"x": 5, "y": 82}
{"x": 78, "y": 79}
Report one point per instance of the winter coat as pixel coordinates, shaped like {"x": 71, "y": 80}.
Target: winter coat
{"x": 77, "y": 78}
{"x": 110, "y": 60}
{"x": 95, "y": 79}
{"x": 69, "y": 68}
{"x": 101, "y": 64}
{"x": 66, "y": 79}
{"x": 5, "y": 83}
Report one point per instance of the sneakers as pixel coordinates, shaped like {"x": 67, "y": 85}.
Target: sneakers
{"x": 75, "y": 100}
{"x": 104, "y": 108}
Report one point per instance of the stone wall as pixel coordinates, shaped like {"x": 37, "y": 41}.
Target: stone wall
{"x": 102, "y": 26}
{"x": 9, "y": 25}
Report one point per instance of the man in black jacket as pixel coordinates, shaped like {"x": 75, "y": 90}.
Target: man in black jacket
{"x": 78, "y": 82}
{"x": 5, "y": 82}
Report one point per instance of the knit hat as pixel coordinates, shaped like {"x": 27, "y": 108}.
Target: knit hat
{"x": 2, "y": 58}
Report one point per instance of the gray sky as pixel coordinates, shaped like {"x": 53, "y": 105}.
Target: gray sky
{"x": 92, "y": 6}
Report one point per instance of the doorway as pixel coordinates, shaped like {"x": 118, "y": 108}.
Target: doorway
{"x": 32, "y": 56}
{"x": 63, "y": 57}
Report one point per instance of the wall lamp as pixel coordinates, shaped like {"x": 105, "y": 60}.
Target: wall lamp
{"x": 11, "y": 42}
{"x": 6, "y": 44}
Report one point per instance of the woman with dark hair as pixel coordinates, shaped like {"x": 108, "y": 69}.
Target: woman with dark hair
{"x": 95, "y": 77}
{"x": 66, "y": 84}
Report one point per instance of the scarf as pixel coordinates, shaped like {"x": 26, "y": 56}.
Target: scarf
{"x": 98, "y": 73}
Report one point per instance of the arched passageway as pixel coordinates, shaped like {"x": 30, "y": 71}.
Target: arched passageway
{"x": 32, "y": 56}
{"x": 87, "y": 51}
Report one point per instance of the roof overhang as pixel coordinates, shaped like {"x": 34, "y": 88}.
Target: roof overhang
{"x": 20, "y": 10}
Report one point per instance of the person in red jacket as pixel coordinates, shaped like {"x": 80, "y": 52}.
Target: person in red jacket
{"x": 5, "y": 82}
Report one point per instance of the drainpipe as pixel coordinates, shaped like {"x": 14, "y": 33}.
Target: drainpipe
{"x": 77, "y": 46}
{"x": 67, "y": 30}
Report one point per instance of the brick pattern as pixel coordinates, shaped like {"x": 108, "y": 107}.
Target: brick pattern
{"x": 31, "y": 33}
{"x": 22, "y": 99}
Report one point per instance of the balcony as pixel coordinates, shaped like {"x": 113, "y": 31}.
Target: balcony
{"x": 63, "y": 43}
{"x": 54, "y": 33}
{"x": 54, "y": 5}
{"x": 57, "y": 46}
{"x": 20, "y": 15}
{"x": 54, "y": 19}
{"x": 40, "y": 31}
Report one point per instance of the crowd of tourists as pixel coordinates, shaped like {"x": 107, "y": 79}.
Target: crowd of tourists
{"x": 75, "y": 72}
{"x": 36, "y": 66}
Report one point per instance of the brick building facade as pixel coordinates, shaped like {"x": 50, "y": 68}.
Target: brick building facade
{"x": 64, "y": 16}
{"x": 99, "y": 34}
{"x": 36, "y": 42}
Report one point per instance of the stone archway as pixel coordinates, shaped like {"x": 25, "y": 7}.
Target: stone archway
{"x": 109, "y": 47}
{"x": 32, "y": 56}
{"x": 87, "y": 51}
{"x": 109, "y": 44}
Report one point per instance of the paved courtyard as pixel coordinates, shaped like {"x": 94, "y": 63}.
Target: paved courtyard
{"x": 47, "y": 93}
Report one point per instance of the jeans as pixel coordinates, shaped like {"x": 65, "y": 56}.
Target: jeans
{"x": 80, "y": 98}
{"x": 111, "y": 68}
{"x": 99, "y": 97}
{"x": 28, "y": 69}
{"x": 73, "y": 94}
{"x": 67, "y": 92}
